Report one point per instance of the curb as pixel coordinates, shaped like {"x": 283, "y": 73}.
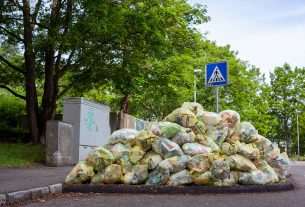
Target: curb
{"x": 193, "y": 189}
{"x": 18, "y": 196}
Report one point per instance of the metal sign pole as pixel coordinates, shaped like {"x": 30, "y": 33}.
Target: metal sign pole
{"x": 217, "y": 100}
{"x": 298, "y": 137}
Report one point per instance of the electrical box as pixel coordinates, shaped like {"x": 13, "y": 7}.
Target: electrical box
{"x": 90, "y": 123}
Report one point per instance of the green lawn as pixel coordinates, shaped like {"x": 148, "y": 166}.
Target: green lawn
{"x": 20, "y": 155}
{"x": 302, "y": 158}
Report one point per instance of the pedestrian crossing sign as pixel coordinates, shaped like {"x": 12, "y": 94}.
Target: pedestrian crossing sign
{"x": 216, "y": 74}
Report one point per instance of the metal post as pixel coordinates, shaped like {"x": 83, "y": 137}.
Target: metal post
{"x": 298, "y": 137}
{"x": 217, "y": 100}
{"x": 195, "y": 87}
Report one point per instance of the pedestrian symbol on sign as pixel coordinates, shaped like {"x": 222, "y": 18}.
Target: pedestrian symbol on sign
{"x": 216, "y": 76}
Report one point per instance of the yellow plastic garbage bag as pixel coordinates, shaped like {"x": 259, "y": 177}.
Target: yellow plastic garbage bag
{"x": 218, "y": 134}
{"x": 166, "y": 148}
{"x": 113, "y": 174}
{"x": 183, "y": 117}
{"x": 281, "y": 165}
{"x": 255, "y": 177}
{"x": 202, "y": 178}
{"x": 211, "y": 119}
{"x": 231, "y": 180}
{"x": 136, "y": 153}
{"x": 124, "y": 136}
{"x": 186, "y": 135}
{"x": 99, "y": 158}
{"x": 137, "y": 175}
{"x": 220, "y": 169}
{"x": 268, "y": 171}
{"x": 175, "y": 164}
{"x": 180, "y": 178}
{"x": 200, "y": 163}
{"x": 199, "y": 128}
{"x": 249, "y": 151}
{"x": 125, "y": 164}
{"x": 145, "y": 139}
{"x": 195, "y": 149}
{"x": 229, "y": 149}
{"x": 208, "y": 142}
{"x": 151, "y": 159}
{"x": 196, "y": 108}
{"x": 119, "y": 150}
{"x": 231, "y": 119}
{"x": 248, "y": 133}
{"x": 165, "y": 129}
{"x": 80, "y": 173}
{"x": 268, "y": 150}
{"x": 158, "y": 176}
{"x": 239, "y": 162}
{"x": 98, "y": 178}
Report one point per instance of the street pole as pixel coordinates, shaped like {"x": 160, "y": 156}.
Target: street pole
{"x": 298, "y": 136}
{"x": 195, "y": 87}
{"x": 217, "y": 99}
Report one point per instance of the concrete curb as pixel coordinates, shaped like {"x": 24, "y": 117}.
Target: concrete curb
{"x": 193, "y": 189}
{"x": 18, "y": 196}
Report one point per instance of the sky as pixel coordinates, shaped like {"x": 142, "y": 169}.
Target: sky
{"x": 267, "y": 33}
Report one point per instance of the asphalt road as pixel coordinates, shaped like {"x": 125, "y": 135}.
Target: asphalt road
{"x": 279, "y": 199}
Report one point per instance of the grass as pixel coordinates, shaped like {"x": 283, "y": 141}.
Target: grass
{"x": 20, "y": 155}
{"x": 295, "y": 158}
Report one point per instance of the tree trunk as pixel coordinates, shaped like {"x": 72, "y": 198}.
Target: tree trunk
{"x": 124, "y": 102}
{"x": 30, "y": 76}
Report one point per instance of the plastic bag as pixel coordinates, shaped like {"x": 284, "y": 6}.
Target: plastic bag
{"x": 99, "y": 158}
{"x": 199, "y": 128}
{"x": 124, "y": 136}
{"x": 145, "y": 139}
{"x": 136, "y": 153}
{"x": 202, "y": 178}
{"x": 180, "y": 178}
{"x": 125, "y": 164}
{"x": 166, "y": 148}
{"x": 229, "y": 149}
{"x": 268, "y": 171}
{"x": 249, "y": 151}
{"x": 186, "y": 135}
{"x": 231, "y": 119}
{"x": 98, "y": 178}
{"x": 119, "y": 150}
{"x": 196, "y": 108}
{"x": 151, "y": 159}
{"x": 220, "y": 169}
{"x": 239, "y": 162}
{"x": 281, "y": 165}
{"x": 195, "y": 149}
{"x": 158, "y": 176}
{"x": 165, "y": 129}
{"x": 268, "y": 150}
{"x": 113, "y": 174}
{"x": 199, "y": 163}
{"x": 175, "y": 164}
{"x": 218, "y": 134}
{"x": 80, "y": 173}
{"x": 231, "y": 180}
{"x": 211, "y": 119}
{"x": 183, "y": 117}
{"x": 206, "y": 141}
{"x": 247, "y": 132}
{"x": 255, "y": 177}
{"x": 137, "y": 175}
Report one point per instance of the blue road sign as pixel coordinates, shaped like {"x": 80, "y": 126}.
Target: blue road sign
{"x": 216, "y": 74}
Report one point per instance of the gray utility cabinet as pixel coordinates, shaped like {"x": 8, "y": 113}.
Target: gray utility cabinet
{"x": 90, "y": 123}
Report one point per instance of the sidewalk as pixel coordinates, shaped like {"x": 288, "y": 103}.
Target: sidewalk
{"x": 18, "y": 179}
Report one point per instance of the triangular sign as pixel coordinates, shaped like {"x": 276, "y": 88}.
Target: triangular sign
{"x": 216, "y": 76}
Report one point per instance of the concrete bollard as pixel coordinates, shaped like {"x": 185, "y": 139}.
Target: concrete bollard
{"x": 59, "y": 143}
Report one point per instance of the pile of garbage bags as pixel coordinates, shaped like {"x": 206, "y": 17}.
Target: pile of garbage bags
{"x": 190, "y": 146}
